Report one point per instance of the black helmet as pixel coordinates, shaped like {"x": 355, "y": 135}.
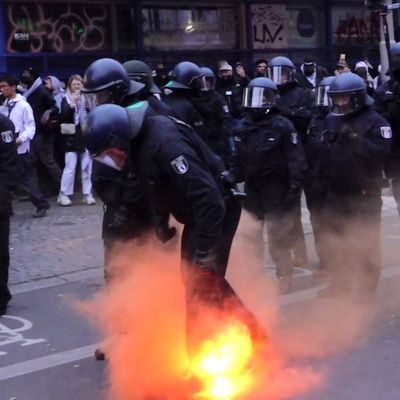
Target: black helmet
{"x": 139, "y": 71}
{"x": 260, "y": 93}
{"x": 348, "y": 94}
{"x": 186, "y": 75}
{"x": 111, "y": 126}
{"x": 209, "y": 77}
{"x": 281, "y": 70}
{"x": 321, "y": 94}
{"x": 108, "y": 74}
{"x": 395, "y": 59}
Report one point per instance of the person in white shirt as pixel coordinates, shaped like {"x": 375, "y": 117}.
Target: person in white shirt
{"x": 18, "y": 110}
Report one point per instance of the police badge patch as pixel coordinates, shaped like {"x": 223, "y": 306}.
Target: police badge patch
{"x": 180, "y": 165}
{"x": 386, "y": 132}
{"x": 7, "y": 136}
{"x": 294, "y": 137}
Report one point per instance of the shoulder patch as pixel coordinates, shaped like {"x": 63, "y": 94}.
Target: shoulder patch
{"x": 180, "y": 165}
{"x": 7, "y": 136}
{"x": 386, "y": 132}
{"x": 226, "y": 109}
{"x": 294, "y": 138}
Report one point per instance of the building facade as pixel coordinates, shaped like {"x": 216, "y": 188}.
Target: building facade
{"x": 62, "y": 37}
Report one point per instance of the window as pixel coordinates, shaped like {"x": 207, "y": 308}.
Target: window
{"x": 279, "y": 26}
{"x": 125, "y": 27}
{"x": 65, "y": 27}
{"x": 190, "y": 28}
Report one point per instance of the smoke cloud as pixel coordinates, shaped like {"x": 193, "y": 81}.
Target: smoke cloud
{"x": 141, "y": 314}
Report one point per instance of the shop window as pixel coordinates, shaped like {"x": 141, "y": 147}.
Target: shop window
{"x": 56, "y": 28}
{"x": 355, "y": 25}
{"x": 125, "y": 26}
{"x": 190, "y": 28}
{"x": 279, "y": 26}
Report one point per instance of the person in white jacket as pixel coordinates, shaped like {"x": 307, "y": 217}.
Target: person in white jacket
{"x": 18, "y": 110}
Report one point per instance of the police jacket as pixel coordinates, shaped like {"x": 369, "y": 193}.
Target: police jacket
{"x": 8, "y": 164}
{"x": 312, "y": 142}
{"x": 182, "y": 108}
{"x": 232, "y": 91}
{"x": 355, "y": 148}
{"x": 178, "y": 175}
{"x": 297, "y": 104}
{"x": 271, "y": 149}
{"x": 387, "y": 103}
{"x": 217, "y": 121}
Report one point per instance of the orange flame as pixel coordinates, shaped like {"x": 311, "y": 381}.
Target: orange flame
{"x": 223, "y": 364}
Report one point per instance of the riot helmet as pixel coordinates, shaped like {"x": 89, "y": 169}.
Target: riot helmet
{"x": 395, "y": 61}
{"x": 347, "y": 94}
{"x": 321, "y": 93}
{"x": 186, "y": 75}
{"x": 209, "y": 78}
{"x": 281, "y": 70}
{"x": 108, "y": 79}
{"x": 260, "y": 94}
{"x": 107, "y": 134}
{"x": 139, "y": 71}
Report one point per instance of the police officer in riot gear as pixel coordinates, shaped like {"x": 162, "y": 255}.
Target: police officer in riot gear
{"x": 295, "y": 103}
{"x": 109, "y": 81}
{"x": 387, "y": 103}
{"x": 186, "y": 78}
{"x": 356, "y": 144}
{"x": 314, "y": 192}
{"x": 125, "y": 216}
{"x": 139, "y": 71}
{"x": 273, "y": 166}
{"x": 8, "y": 170}
{"x": 178, "y": 174}
{"x": 217, "y": 132}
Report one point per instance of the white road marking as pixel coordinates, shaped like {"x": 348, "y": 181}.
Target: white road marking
{"x": 80, "y": 353}
{"x": 41, "y": 363}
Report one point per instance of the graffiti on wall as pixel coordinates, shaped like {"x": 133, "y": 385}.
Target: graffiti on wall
{"x": 355, "y": 26}
{"x": 33, "y": 27}
{"x": 269, "y": 24}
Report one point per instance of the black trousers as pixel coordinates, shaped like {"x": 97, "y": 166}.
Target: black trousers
{"x": 209, "y": 290}
{"x": 27, "y": 180}
{"x": 4, "y": 260}
{"x": 352, "y": 241}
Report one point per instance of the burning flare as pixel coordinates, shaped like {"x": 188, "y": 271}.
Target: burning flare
{"x": 222, "y": 365}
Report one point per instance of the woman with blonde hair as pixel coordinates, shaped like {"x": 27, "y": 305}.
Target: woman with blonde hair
{"x": 74, "y": 109}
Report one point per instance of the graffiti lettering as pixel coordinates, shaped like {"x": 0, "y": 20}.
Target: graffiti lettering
{"x": 67, "y": 28}
{"x": 357, "y": 29}
{"x": 269, "y": 29}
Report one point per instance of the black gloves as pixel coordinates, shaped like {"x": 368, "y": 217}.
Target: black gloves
{"x": 165, "y": 233}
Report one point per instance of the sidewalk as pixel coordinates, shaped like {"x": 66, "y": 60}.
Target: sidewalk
{"x": 67, "y": 240}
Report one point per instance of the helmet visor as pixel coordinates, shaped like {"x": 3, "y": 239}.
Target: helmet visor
{"x": 210, "y": 82}
{"x": 281, "y": 74}
{"x": 322, "y": 96}
{"x": 345, "y": 103}
{"x": 199, "y": 83}
{"x": 258, "y": 97}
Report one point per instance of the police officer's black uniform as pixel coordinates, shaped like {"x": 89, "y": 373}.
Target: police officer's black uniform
{"x": 273, "y": 166}
{"x": 8, "y": 167}
{"x": 296, "y": 104}
{"x": 181, "y": 176}
{"x": 387, "y": 103}
{"x": 313, "y": 190}
{"x": 356, "y": 145}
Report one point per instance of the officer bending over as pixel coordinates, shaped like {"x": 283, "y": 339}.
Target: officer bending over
{"x": 179, "y": 175}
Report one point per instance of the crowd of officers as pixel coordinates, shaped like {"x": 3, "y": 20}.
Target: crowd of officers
{"x": 185, "y": 149}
